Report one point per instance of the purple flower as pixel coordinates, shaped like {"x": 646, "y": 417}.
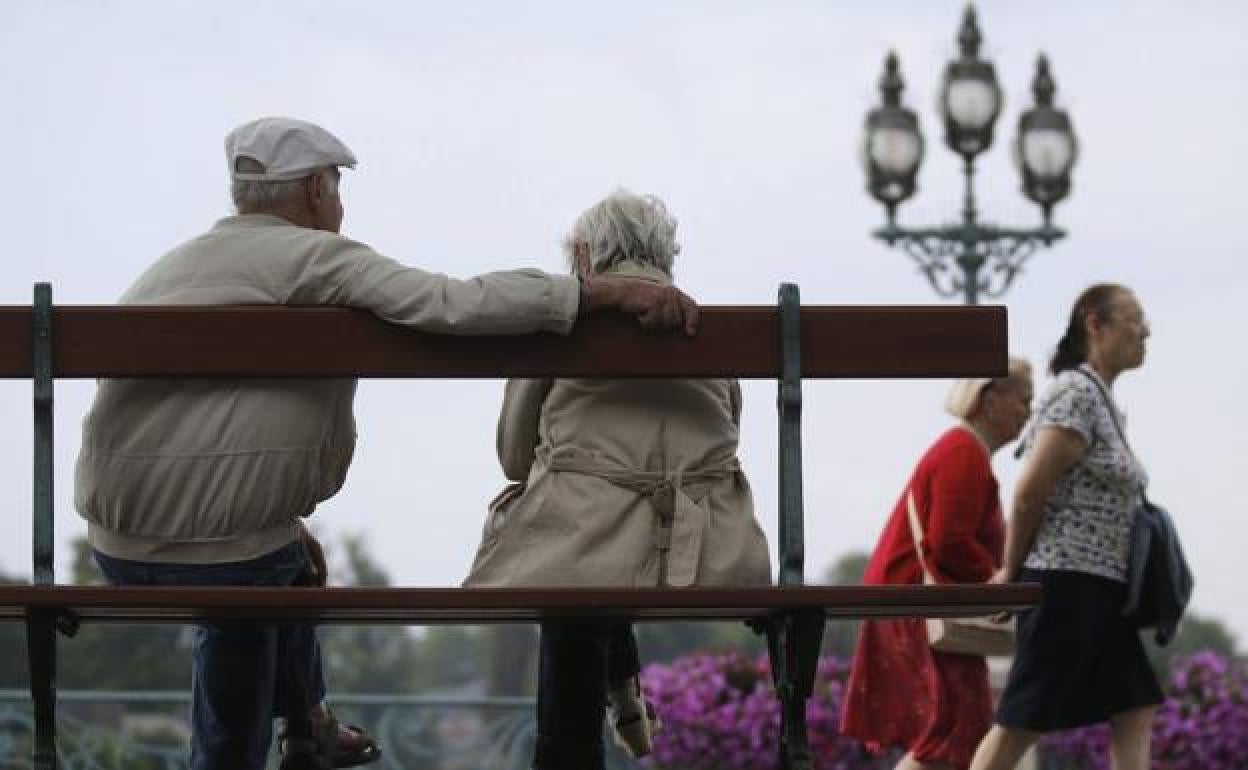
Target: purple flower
{"x": 1203, "y": 724}
{"x": 720, "y": 712}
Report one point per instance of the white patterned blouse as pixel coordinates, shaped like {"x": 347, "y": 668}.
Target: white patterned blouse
{"x": 1086, "y": 524}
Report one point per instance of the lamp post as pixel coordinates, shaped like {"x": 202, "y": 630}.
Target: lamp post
{"x": 969, "y": 258}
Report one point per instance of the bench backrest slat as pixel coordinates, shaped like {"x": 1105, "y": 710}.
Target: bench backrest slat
{"x": 740, "y": 341}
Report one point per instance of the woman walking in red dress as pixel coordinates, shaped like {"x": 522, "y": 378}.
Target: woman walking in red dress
{"x": 901, "y": 692}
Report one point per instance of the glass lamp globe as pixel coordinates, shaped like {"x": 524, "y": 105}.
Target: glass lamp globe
{"x": 1046, "y": 147}
{"x": 892, "y": 147}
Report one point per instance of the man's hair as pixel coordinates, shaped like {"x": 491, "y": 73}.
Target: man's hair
{"x": 625, "y": 227}
{"x": 251, "y": 195}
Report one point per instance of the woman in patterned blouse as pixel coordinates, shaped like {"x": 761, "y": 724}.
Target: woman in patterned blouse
{"x": 1079, "y": 661}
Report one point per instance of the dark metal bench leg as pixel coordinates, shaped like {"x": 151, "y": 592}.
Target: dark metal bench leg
{"x": 793, "y": 638}
{"x": 41, "y": 647}
{"x": 793, "y": 642}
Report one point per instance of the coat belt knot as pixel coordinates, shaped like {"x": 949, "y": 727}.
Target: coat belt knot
{"x": 679, "y": 521}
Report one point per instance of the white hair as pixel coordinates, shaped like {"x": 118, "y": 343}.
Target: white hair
{"x": 625, "y": 227}
{"x": 963, "y": 398}
{"x": 252, "y": 195}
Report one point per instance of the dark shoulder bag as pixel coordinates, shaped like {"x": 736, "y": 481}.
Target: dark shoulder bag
{"x": 1159, "y": 581}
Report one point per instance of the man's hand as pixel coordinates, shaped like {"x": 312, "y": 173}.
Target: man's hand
{"x": 315, "y": 572}
{"x": 656, "y": 307}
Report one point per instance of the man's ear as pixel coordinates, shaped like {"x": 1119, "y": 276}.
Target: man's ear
{"x": 314, "y": 192}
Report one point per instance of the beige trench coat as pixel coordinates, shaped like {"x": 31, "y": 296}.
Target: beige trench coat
{"x": 626, "y": 483}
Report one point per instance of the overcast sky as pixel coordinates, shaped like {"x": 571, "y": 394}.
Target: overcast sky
{"x": 483, "y": 129}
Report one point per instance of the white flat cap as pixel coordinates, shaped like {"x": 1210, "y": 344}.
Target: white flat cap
{"x": 287, "y": 148}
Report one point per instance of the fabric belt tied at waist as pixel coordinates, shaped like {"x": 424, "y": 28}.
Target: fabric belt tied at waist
{"x": 679, "y": 522}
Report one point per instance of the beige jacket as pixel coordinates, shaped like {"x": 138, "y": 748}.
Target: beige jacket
{"x": 627, "y": 482}
{"x": 211, "y": 471}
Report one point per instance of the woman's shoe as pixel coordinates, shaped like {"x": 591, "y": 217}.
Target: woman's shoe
{"x": 633, "y": 718}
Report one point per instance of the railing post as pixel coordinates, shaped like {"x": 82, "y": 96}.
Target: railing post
{"x": 41, "y": 624}
{"x": 793, "y": 638}
{"x": 41, "y": 649}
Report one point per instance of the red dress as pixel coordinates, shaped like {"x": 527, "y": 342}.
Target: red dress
{"x": 901, "y": 692}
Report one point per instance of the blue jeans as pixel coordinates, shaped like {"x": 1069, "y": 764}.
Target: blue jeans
{"x": 242, "y": 673}
{"x": 578, "y": 661}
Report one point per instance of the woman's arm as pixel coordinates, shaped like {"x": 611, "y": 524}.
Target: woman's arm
{"x": 1055, "y": 451}
{"x": 517, "y": 425}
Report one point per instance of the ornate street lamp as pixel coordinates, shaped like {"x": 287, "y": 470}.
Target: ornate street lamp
{"x": 970, "y": 99}
{"x": 892, "y": 145}
{"x": 970, "y": 102}
{"x": 1046, "y": 147}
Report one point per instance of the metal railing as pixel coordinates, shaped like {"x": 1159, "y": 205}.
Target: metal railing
{"x": 146, "y": 730}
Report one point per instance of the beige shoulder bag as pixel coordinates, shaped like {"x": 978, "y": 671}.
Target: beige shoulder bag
{"x": 966, "y": 636}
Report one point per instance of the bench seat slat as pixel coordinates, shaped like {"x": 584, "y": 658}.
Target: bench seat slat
{"x": 420, "y": 606}
{"x": 740, "y": 341}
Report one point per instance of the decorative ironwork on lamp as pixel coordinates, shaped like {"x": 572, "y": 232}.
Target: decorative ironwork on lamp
{"x": 969, "y": 258}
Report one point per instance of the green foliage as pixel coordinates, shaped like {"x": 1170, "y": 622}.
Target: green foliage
{"x": 361, "y": 568}
{"x": 368, "y": 658}
{"x": 840, "y": 636}
{"x": 14, "y": 672}
{"x": 1197, "y": 633}
{"x": 386, "y": 659}
{"x": 358, "y": 659}
{"x": 664, "y": 642}
{"x": 512, "y": 651}
{"x": 120, "y": 657}
{"x": 102, "y": 657}
{"x": 848, "y": 569}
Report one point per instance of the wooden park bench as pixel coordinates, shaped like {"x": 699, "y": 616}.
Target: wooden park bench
{"x": 789, "y": 342}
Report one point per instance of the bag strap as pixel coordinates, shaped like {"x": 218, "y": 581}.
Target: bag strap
{"x": 916, "y": 533}
{"x": 1113, "y": 417}
{"x": 1109, "y": 404}
{"x": 1021, "y": 448}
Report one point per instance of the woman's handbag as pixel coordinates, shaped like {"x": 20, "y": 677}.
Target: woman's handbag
{"x": 1159, "y": 581}
{"x": 966, "y": 636}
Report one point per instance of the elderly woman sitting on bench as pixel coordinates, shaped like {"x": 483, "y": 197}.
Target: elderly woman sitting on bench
{"x": 622, "y": 483}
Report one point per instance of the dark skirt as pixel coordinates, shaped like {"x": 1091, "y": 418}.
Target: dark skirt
{"x": 1078, "y": 661}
